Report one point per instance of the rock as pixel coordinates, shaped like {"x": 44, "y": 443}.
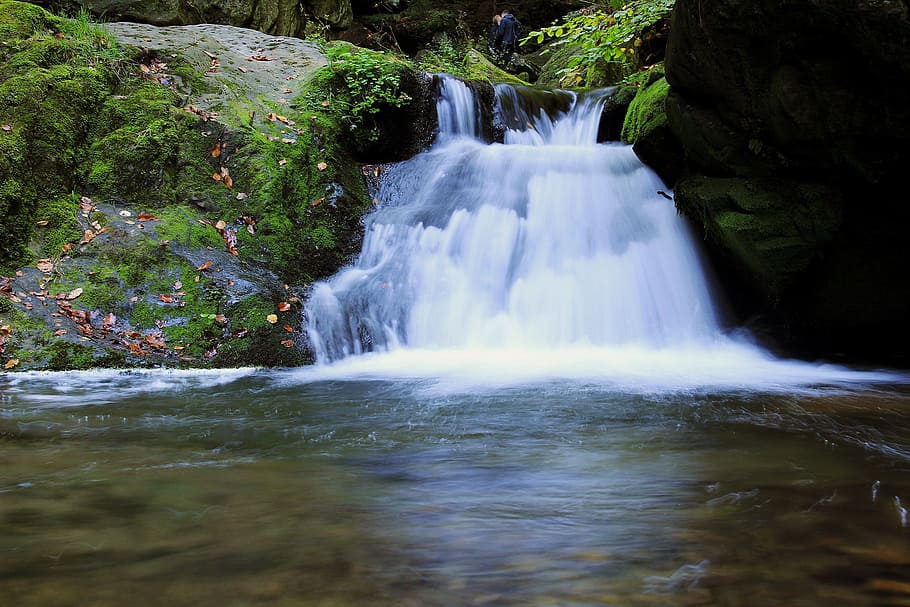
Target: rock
{"x": 797, "y": 105}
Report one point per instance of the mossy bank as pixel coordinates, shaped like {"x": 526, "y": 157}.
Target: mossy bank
{"x": 167, "y": 194}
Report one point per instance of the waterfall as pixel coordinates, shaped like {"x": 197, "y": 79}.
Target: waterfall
{"x": 548, "y": 256}
{"x": 547, "y": 240}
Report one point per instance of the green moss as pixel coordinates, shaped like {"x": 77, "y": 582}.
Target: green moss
{"x": 58, "y": 224}
{"x": 478, "y": 67}
{"x": 647, "y": 111}
{"x": 20, "y": 20}
{"x": 774, "y": 229}
{"x": 180, "y": 225}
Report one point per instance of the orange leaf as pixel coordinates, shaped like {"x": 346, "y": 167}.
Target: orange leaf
{"x": 288, "y": 343}
{"x": 60, "y": 332}
{"x": 146, "y": 217}
{"x": 228, "y": 182}
{"x": 166, "y": 298}
{"x": 289, "y": 328}
{"x": 284, "y": 306}
{"x": 205, "y": 266}
{"x": 216, "y": 176}
{"x": 45, "y": 265}
{"x": 216, "y": 150}
{"x": 220, "y": 225}
{"x": 11, "y": 363}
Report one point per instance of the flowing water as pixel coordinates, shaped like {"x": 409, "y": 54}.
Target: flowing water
{"x": 525, "y": 397}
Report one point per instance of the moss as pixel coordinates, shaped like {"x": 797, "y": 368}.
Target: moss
{"x": 180, "y": 225}
{"x": 146, "y": 150}
{"x": 478, "y": 67}
{"x": 19, "y": 20}
{"x": 58, "y": 224}
{"x": 647, "y": 111}
{"x": 773, "y": 229}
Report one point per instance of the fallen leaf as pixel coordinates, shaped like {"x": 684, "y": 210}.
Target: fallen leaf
{"x": 243, "y": 69}
{"x": 134, "y": 299}
{"x": 287, "y": 91}
{"x": 125, "y": 214}
{"x": 220, "y": 225}
{"x": 322, "y": 166}
{"x": 317, "y": 202}
{"x": 109, "y": 320}
{"x": 146, "y": 217}
{"x": 216, "y": 176}
{"x": 11, "y": 363}
{"x": 284, "y": 306}
{"x": 282, "y": 162}
{"x": 7, "y": 127}
{"x": 272, "y": 318}
{"x": 216, "y": 150}
{"x": 41, "y": 223}
{"x": 178, "y": 285}
{"x": 239, "y": 333}
{"x": 325, "y": 104}
{"x": 59, "y": 332}
{"x": 205, "y": 266}
{"x": 45, "y": 265}
{"x": 166, "y": 298}
{"x": 210, "y": 55}
{"x": 228, "y": 182}
{"x": 74, "y": 293}
{"x": 289, "y": 328}
{"x": 288, "y": 343}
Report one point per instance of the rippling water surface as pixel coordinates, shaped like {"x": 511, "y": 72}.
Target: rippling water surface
{"x": 300, "y": 488}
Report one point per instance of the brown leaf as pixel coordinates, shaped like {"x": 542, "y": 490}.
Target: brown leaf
{"x": 59, "y": 332}
{"x": 216, "y": 150}
{"x": 11, "y": 363}
{"x": 220, "y": 225}
{"x": 221, "y": 319}
{"x": 288, "y": 343}
{"x": 166, "y": 298}
{"x": 216, "y": 176}
{"x": 287, "y": 91}
{"x": 284, "y": 306}
{"x": 41, "y": 223}
{"x": 210, "y": 55}
{"x": 45, "y": 265}
{"x": 205, "y": 266}
{"x": 228, "y": 182}
{"x": 109, "y": 320}
{"x": 289, "y": 328}
{"x": 317, "y": 202}
{"x": 74, "y": 293}
{"x": 146, "y": 217}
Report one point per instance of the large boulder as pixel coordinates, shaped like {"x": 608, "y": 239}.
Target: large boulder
{"x": 795, "y": 129}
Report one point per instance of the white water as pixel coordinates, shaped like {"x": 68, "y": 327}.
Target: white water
{"x": 549, "y": 256}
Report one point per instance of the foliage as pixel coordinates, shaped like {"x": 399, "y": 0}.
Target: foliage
{"x": 601, "y": 35}
{"x": 366, "y": 82}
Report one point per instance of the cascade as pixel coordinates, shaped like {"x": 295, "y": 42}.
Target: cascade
{"x": 547, "y": 240}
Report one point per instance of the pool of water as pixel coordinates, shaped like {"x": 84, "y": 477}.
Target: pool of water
{"x": 292, "y": 488}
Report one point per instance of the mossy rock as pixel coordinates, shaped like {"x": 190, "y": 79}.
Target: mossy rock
{"x": 773, "y": 230}
{"x": 647, "y": 128}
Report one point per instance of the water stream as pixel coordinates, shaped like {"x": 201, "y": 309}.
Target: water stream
{"x": 525, "y": 397}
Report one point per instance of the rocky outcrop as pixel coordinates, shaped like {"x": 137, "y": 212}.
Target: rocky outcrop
{"x": 795, "y": 130}
{"x": 167, "y": 199}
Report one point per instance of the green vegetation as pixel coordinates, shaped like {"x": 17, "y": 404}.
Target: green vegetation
{"x": 631, "y": 36}
{"x": 364, "y": 82}
{"x": 647, "y": 110}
